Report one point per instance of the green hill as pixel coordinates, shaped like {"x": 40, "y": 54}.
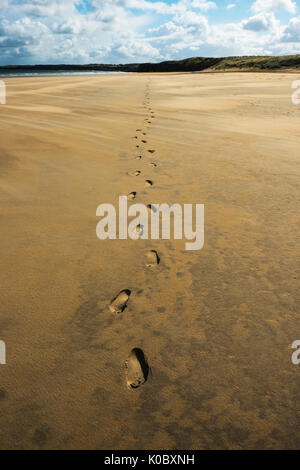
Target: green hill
{"x": 260, "y": 62}
{"x": 202, "y": 63}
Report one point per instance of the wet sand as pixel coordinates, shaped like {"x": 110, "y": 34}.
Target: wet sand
{"x": 216, "y": 325}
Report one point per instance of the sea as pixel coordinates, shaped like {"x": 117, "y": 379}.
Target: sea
{"x": 54, "y": 73}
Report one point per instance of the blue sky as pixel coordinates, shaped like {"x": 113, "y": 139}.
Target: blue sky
{"x": 122, "y": 31}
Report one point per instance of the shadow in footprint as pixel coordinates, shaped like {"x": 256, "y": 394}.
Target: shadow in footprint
{"x": 153, "y": 259}
{"x": 152, "y": 208}
{"x": 137, "y": 369}
{"x": 119, "y": 303}
{"x": 132, "y": 196}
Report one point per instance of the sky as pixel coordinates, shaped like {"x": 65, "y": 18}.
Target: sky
{"x": 126, "y": 31}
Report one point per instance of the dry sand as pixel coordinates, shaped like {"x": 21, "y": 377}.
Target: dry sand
{"x": 216, "y": 325}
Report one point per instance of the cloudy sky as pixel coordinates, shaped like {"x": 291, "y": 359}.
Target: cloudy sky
{"x": 122, "y": 31}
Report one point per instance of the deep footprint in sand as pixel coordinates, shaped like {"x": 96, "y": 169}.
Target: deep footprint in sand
{"x": 119, "y": 304}
{"x": 151, "y": 151}
{"x": 149, "y": 183}
{"x": 135, "y": 173}
{"x": 137, "y": 369}
{"x": 153, "y": 259}
{"x": 139, "y": 157}
{"x": 132, "y": 196}
{"x": 154, "y": 165}
{"x": 144, "y": 141}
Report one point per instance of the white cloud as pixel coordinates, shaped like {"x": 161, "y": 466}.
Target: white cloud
{"x": 48, "y": 8}
{"x": 144, "y": 5}
{"x": 72, "y": 26}
{"x": 261, "y": 22}
{"x": 274, "y": 5}
{"x": 204, "y": 5}
{"x": 138, "y": 48}
{"x": 4, "y": 4}
{"x": 41, "y": 31}
{"x": 191, "y": 19}
{"x": 292, "y": 31}
{"x": 23, "y": 28}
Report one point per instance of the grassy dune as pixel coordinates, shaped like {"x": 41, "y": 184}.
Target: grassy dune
{"x": 204, "y": 63}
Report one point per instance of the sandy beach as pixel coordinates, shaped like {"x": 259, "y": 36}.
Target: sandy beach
{"x": 216, "y": 325}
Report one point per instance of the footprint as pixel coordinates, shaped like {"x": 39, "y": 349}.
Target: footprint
{"x": 149, "y": 183}
{"x": 139, "y": 231}
{"x": 144, "y": 141}
{"x": 138, "y": 130}
{"x": 135, "y": 173}
{"x": 132, "y": 196}
{"x": 151, "y": 151}
{"x": 153, "y": 259}
{"x": 151, "y": 208}
{"x": 119, "y": 304}
{"x": 153, "y": 164}
{"x": 139, "y": 157}
{"x": 137, "y": 369}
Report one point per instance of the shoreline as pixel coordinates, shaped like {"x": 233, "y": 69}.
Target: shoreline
{"x": 208, "y": 71}
{"x": 58, "y": 74}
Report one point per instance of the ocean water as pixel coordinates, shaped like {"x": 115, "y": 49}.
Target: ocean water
{"x": 47, "y": 73}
